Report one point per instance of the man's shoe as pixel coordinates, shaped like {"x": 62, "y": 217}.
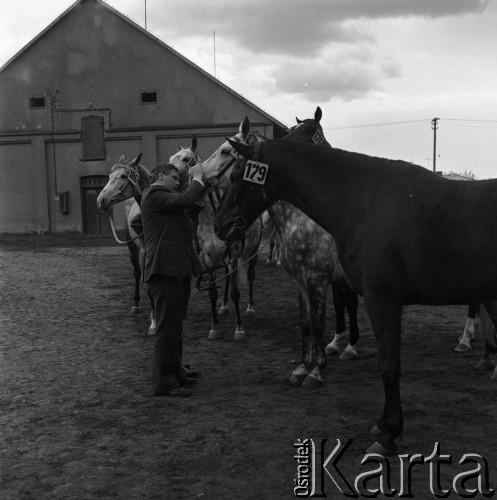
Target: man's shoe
{"x": 179, "y": 392}
{"x": 188, "y": 381}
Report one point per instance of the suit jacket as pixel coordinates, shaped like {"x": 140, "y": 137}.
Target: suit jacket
{"x": 168, "y": 231}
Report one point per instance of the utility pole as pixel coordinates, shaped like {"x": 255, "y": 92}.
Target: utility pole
{"x": 145, "y": 14}
{"x": 434, "y": 126}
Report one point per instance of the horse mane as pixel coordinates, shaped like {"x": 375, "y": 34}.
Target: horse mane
{"x": 359, "y": 159}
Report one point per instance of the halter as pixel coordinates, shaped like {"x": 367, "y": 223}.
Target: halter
{"x": 213, "y": 180}
{"x": 133, "y": 178}
{"x": 239, "y": 223}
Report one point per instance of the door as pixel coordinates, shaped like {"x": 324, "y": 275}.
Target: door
{"x": 94, "y": 220}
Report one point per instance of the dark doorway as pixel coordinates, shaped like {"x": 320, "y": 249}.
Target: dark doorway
{"x": 94, "y": 220}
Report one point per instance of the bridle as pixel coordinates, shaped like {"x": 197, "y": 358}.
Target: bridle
{"x": 213, "y": 182}
{"x": 240, "y": 223}
{"x": 133, "y": 178}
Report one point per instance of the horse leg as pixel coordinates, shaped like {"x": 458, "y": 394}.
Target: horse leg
{"x": 134, "y": 255}
{"x": 300, "y": 373}
{"x": 153, "y": 324}
{"x": 251, "y": 279}
{"x": 224, "y": 309}
{"x": 271, "y": 250}
{"x": 317, "y": 301}
{"x": 468, "y": 335}
{"x": 235, "y": 297}
{"x": 333, "y": 347}
{"x": 214, "y": 333}
{"x": 352, "y": 304}
{"x": 385, "y": 318}
{"x": 488, "y": 318}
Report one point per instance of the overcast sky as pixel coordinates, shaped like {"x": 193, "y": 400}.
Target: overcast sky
{"x": 381, "y": 70}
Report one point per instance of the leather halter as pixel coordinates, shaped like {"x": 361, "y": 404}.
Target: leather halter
{"x": 133, "y": 178}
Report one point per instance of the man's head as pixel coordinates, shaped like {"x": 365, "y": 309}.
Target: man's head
{"x": 167, "y": 175}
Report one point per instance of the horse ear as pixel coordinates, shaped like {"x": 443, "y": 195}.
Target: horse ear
{"x": 194, "y": 142}
{"x": 180, "y": 146}
{"x": 122, "y": 159}
{"x": 298, "y": 121}
{"x": 245, "y": 126}
{"x": 318, "y": 114}
{"x": 245, "y": 150}
{"x": 136, "y": 161}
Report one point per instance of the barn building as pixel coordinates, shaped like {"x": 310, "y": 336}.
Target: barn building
{"x": 92, "y": 86}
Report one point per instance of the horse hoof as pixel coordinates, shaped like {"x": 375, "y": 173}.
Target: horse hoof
{"x": 462, "y": 347}
{"x": 135, "y": 310}
{"x": 296, "y": 380}
{"x": 250, "y": 309}
{"x": 348, "y": 355}
{"x": 151, "y": 331}
{"x": 214, "y": 334}
{"x": 485, "y": 365}
{"x": 379, "y": 449}
{"x": 311, "y": 382}
{"x": 331, "y": 350}
{"x": 224, "y": 310}
{"x": 239, "y": 335}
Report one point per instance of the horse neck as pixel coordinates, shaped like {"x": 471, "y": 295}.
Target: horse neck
{"x": 299, "y": 181}
{"x": 144, "y": 178}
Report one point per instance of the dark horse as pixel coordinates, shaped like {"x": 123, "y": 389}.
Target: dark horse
{"x": 404, "y": 235}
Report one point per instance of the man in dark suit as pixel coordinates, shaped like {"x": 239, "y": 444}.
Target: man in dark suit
{"x": 168, "y": 234}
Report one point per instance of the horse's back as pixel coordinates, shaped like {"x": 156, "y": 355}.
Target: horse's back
{"x": 432, "y": 239}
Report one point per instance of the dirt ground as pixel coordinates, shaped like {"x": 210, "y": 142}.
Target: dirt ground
{"x": 78, "y": 419}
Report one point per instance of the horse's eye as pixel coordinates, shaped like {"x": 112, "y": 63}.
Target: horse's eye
{"x": 226, "y": 151}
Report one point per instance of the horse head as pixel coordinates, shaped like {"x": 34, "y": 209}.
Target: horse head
{"x": 185, "y": 158}
{"x": 220, "y": 162}
{"x": 308, "y": 130}
{"x": 126, "y": 180}
{"x": 246, "y": 197}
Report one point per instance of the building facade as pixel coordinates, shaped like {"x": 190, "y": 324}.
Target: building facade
{"x": 90, "y": 87}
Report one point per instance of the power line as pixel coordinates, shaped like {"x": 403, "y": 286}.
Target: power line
{"x": 410, "y": 121}
{"x": 467, "y": 120}
{"x": 379, "y": 124}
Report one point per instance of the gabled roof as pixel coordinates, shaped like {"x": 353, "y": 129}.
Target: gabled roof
{"x": 155, "y": 39}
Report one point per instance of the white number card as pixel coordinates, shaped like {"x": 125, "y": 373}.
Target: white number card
{"x": 318, "y": 137}
{"x": 133, "y": 176}
{"x": 255, "y": 172}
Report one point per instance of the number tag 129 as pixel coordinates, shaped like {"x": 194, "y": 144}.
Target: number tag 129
{"x": 255, "y": 172}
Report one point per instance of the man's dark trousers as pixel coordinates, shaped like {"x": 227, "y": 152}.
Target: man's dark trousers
{"x": 170, "y": 295}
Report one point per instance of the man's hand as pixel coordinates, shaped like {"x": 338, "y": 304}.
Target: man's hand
{"x": 197, "y": 172}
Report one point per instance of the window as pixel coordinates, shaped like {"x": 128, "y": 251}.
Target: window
{"x": 93, "y": 138}
{"x": 37, "y": 102}
{"x": 149, "y": 97}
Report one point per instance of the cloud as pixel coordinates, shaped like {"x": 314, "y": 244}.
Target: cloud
{"x": 296, "y": 26}
{"x": 344, "y": 73}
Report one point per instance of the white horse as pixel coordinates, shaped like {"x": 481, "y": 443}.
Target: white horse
{"x": 243, "y": 257}
{"x": 127, "y": 181}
